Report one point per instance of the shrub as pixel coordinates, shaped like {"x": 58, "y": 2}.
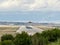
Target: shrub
{"x": 22, "y": 39}
{"x": 51, "y": 35}
{"x": 7, "y": 42}
{"x": 7, "y": 37}
{"x": 37, "y": 39}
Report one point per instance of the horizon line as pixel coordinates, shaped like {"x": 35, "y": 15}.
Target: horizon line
{"x": 33, "y": 21}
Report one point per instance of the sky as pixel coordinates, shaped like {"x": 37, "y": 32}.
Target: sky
{"x": 30, "y": 10}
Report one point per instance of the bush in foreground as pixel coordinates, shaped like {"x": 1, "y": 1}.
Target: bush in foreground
{"x": 37, "y": 39}
{"x": 22, "y": 39}
{"x": 7, "y": 42}
{"x": 7, "y": 37}
{"x": 51, "y": 35}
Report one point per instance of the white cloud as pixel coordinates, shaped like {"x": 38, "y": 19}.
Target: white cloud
{"x": 9, "y": 3}
{"x": 46, "y": 4}
{"x": 30, "y": 4}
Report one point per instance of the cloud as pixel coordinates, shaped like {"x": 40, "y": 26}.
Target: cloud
{"x": 9, "y": 3}
{"x": 46, "y": 4}
{"x": 30, "y": 4}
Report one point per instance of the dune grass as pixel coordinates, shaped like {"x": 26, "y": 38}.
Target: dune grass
{"x": 8, "y": 30}
{"x": 11, "y": 28}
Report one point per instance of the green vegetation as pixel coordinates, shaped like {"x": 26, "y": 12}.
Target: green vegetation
{"x": 7, "y": 37}
{"x": 55, "y": 43}
{"x": 7, "y": 42}
{"x": 22, "y": 39}
{"x": 49, "y": 37}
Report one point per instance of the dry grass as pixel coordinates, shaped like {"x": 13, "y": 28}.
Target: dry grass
{"x": 6, "y": 29}
{"x": 45, "y": 27}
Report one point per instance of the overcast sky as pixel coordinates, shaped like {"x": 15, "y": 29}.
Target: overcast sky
{"x": 30, "y": 10}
